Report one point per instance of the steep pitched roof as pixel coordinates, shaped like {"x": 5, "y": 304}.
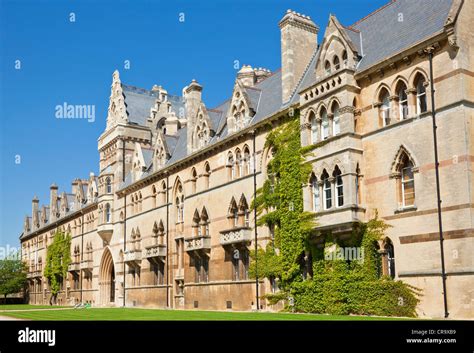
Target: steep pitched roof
{"x": 139, "y": 101}
{"x": 397, "y": 26}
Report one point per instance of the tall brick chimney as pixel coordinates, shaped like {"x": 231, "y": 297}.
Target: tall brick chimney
{"x": 299, "y": 39}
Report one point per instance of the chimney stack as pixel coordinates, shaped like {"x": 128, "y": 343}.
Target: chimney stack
{"x": 193, "y": 99}
{"x": 53, "y": 202}
{"x": 35, "y": 213}
{"x": 299, "y": 40}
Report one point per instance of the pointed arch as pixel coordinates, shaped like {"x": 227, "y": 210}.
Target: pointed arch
{"x": 403, "y": 170}
{"x": 243, "y": 205}
{"x": 232, "y": 205}
{"x": 310, "y": 113}
{"x": 402, "y": 153}
{"x": 107, "y": 278}
{"x": 204, "y": 213}
{"x": 205, "y": 221}
{"x": 399, "y": 79}
{"x": 382, "y": 89}
{"x": 415, "y": 74}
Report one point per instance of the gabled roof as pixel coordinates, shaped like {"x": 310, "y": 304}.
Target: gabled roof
{"x": 139, "y": 102}
{"x": 397, "y": 26}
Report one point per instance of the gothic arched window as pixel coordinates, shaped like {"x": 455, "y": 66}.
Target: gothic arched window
{"x": 402, "y": 100}
{"x": 327, "y": 191}
{"x": 336, "y": 125}
{"x": 384, "y": 110}
{"x": 339, "y": 187}
{"x": 421, "y": 105}
{"x": 324, "y": 124}
{"x": 315, "y": 199}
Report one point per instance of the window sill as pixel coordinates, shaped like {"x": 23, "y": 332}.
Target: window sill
{"x": 406, "y": 209}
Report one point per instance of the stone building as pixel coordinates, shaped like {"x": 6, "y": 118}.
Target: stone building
{"x": 166, "y": 222}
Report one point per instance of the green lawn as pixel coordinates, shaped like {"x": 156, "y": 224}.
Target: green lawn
{"x": 155, "y": 314}
{"x": 26, "y": 307}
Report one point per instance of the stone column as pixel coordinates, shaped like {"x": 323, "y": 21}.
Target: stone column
{"x": 346, "y": 119}
{"x": 394, "y": 109}
{"x": 321, "y": 195}
{"x": 331, "y": 122}
{"x": 348, "y": 186}
{"x": 332, "y": 181}
{"x": 411, "y": 96}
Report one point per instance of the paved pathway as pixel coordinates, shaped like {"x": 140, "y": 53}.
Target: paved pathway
{"x": 8, "y": 318}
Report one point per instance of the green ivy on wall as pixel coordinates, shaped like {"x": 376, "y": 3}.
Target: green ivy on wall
{"x": 58, "y": 258}
{"x": 335, "y": 286}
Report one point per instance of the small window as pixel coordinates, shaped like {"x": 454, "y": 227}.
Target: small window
{"x": 420, "y": 95}
{"x": 314, "y": 128}
{"x": 238, "y": 161}
{"x": 336, "y": 124}
{"x": 327, "y": 67}
{"x": 402, "y": 101}
{"x": 389, "y": 258}
{"x": 315, "y": 193}
{"x": 324, "y": 124}
{"x": 339, "y": 187}
{"x": 207, "y": 175}
{"x": 407, "y": 184}
{"x": 108, "y": 185}
{"x": 193, "y": 180}
{"x": 108, "y": 215}
{"x": 336, "y": 62}
{"x": 385, "y": 107}
{"x": 327, "y": 192}
{"x": 247, "y": 170}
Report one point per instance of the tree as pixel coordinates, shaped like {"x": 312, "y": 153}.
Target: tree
{"x": 12, "y": 276}
{"x": 58, "y": 259}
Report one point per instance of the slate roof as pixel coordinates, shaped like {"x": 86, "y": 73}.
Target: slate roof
{"x": 139, "y": 101}
{"x": 383, "y": 35}
{"x": 380, "y": 34}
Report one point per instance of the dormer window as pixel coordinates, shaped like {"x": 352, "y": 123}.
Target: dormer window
{"x": 108, "y": 185}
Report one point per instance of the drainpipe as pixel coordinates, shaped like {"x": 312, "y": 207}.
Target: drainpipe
{"x": 168, "y": 288}
{"x": 82, "y": 249}
{"x": 124, "y": 221}
{"x": 124, "y": 243}
{"x": 257, "y": 300}
{"x": 430, "y": 52}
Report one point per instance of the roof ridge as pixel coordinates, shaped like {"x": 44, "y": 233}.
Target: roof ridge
{"x": 373, "y": 13}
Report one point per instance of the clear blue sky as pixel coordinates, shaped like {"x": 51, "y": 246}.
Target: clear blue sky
{"x": 63, "y": 61}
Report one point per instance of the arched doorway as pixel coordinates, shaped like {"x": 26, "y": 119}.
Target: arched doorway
{"x": 107, "y": 279}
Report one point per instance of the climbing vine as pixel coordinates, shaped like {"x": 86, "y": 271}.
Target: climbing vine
{"x": 58, "y": 258}
{"x": 331, "y": 285}
{"x": 279, "y": 204}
